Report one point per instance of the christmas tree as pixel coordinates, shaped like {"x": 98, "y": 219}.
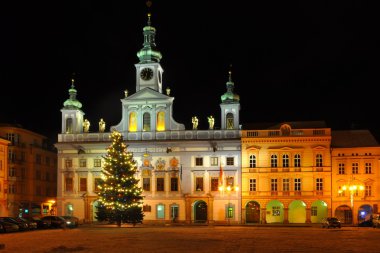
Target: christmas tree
{"x": 120, "y": 197}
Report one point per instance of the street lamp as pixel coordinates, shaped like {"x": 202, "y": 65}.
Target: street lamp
{"x": 229, "y": 207}
{"x": 353, "y": 189}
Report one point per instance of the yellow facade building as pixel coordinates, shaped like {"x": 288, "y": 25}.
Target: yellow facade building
{"x": 286, "y": 173}
{"x": 355, "y": 175}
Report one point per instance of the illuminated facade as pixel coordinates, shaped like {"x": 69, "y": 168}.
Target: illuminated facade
{"x": 286, "y": 173}
{"x": 31, "y": 172}
{"x": 355, "y": 175}
{"x": 179, "y": 169}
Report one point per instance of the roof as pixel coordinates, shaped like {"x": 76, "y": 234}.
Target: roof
{"x": 293, "y": 125}
{"x": 352, "y": 138}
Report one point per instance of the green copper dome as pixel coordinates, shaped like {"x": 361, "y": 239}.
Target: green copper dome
{"x": 230, "y": 96}
{"x": 72, "y": 102}
{"x": 149, "y": 53}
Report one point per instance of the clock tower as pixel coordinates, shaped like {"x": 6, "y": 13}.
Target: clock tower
{"x": 149, "y": 70}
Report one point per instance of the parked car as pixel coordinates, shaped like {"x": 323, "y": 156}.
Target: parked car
{"x": 331, "y": 222}
{"x": 41, "y": 224}
{"x": 22, "y": 226}
{"x": 53, "y": 221}
{"x": 71, "y": 221}
{"x": 6, "y": 227}
{"x": 31, "y": 224}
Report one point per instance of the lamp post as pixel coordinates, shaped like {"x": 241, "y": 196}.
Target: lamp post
{"x": 229, "y": 208}
{"x": 353, "y": 189}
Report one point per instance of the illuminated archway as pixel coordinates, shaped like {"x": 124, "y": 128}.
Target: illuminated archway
{"x": 319, "y": 210}
{"x": 297, "y": 212}
{"x": 275, "y": 212}
{"x": 133, "y": 122}
{"x": 161, "y": 121}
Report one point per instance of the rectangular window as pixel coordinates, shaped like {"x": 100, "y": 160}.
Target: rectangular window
{"x": 297, "y": 184}
{"x": 12, "y": 172}
{"x": 69, "y": 184}
{"x": 230, "y": 161}
{"x": 160, "y": 184}
{"x": 68, "y": 163}
{"x": 297, "y": 160}
{"x": 174, "y": 212}
{"x": 368, "y": 191}
{"x": 38, "y": 159}
{"x": 38, "y": 175}
{"x": 273, "y": 184}
{"x": 82, "y": 163}
{"x": 12, "y": 189}
{"x": 319, "y": 184}
{"x": 355, "y": 168}
{"x": 314, "y": 211}
{"x": 341, "y": 192}
{"x": 83, "y": 184}
{"x": 160, "y": 211}
{"x": 97, "y": 182}
{"x": 214, "y": 161}
{"x": 285, "y": 184}
{"x": 214, "y": 184}
{"x": 252, "y": 184}
{"x": 230, "y": 211}
{"x": 199, "y": 161}
{"x": 368, "y": 168}
{"x": 97, "y": 163}
{"x": 13, "y": 138}
{"x": 147, "y": 208}
{"x": 230, "y": 182}
{"x": 146, "y": 184}
{"x": 174, "y": 184}
{"x": 199, "y": 183}
{"x": 341, "y": 169}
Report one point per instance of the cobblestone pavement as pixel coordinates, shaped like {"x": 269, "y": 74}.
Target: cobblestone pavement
{"x": 194, "y": 239}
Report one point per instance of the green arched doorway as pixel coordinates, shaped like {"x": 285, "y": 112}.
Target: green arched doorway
{"x": 275, "y": 212}
{"x": 297, "y": 212}
{"x": 319, "y": 210}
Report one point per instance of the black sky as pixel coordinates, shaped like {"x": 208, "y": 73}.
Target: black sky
{"x": 291, "y": 61}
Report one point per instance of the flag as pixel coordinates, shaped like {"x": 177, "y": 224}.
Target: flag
{"x": 221, "y": 175}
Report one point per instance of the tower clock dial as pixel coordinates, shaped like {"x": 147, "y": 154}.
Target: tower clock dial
{"x": 146, "y": 74}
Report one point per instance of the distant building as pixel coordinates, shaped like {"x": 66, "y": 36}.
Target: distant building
{"x": 3, "y": 177}
{"x": 30, "y": 173}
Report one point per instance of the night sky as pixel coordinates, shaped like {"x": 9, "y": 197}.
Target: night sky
{"x": 291, "y": 61}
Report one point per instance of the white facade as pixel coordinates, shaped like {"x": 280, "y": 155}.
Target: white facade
{"x": 178, "y": 169}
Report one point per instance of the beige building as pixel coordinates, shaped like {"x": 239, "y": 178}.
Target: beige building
{"x": 3, "y": 176}
{"x": 30, "y": 173}
{"x": 286, "y": 173}
{"x": 355, "y": 175}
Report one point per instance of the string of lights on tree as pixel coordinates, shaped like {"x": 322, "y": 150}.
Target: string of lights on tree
{"x": 118, "y": 189}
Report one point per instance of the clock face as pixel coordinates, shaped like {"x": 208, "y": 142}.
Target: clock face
{"x": 146, "y": 74}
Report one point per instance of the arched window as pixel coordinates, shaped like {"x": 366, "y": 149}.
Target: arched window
{"x": 146, "y": 122}
{"x": 273, "y": 161}
{"x": 161, "y": 121}
{"x": 133, "y": 122}
{"x": 230, "y": 121}
{"x": 252, "y": 161}
{"x": 69, "y": 125}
